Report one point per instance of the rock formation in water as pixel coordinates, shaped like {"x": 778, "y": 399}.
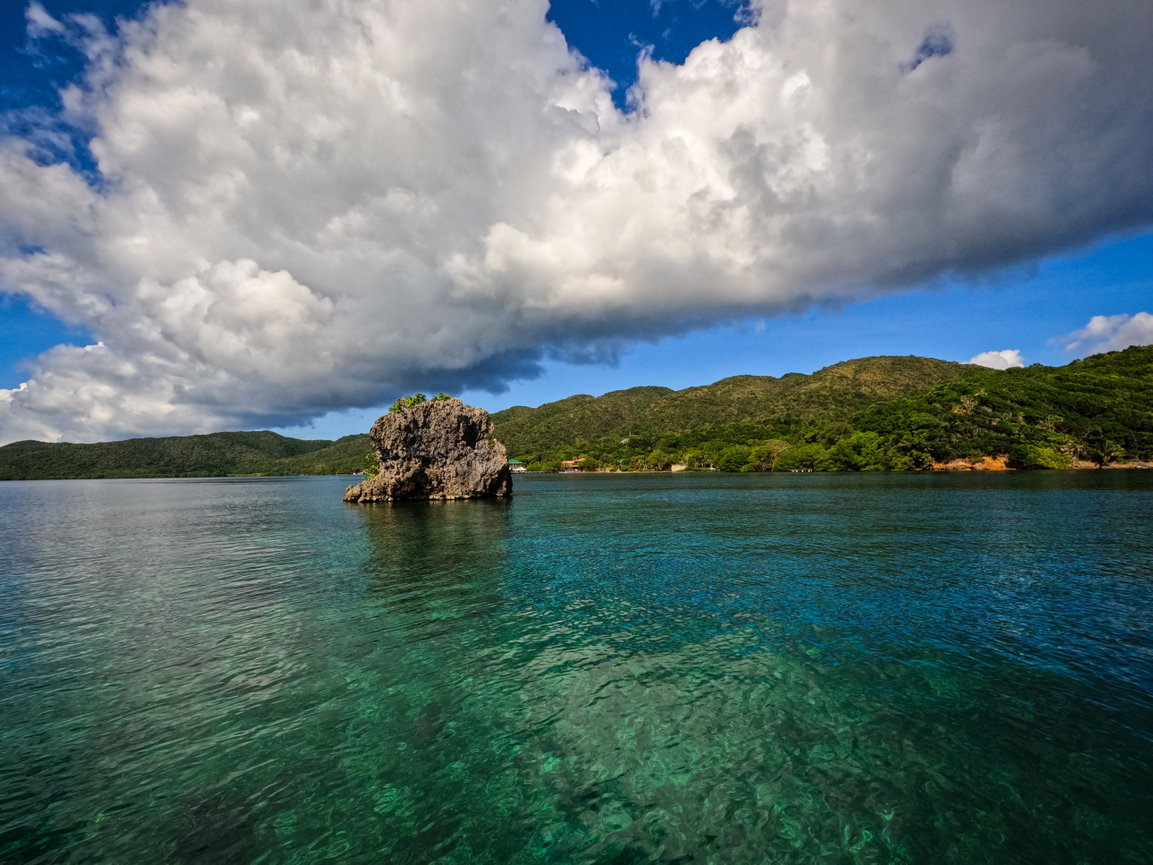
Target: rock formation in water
{"x": 442, "y": 449}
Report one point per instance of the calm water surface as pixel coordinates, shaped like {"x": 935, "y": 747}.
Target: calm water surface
{"x": 606, "y": 669}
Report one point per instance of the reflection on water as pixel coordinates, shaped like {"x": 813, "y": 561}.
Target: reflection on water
{"x": 792, "y": 669}
{"x": 436, "y": 554}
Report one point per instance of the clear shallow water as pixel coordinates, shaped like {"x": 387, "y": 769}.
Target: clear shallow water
{"x": 607, "y": 669}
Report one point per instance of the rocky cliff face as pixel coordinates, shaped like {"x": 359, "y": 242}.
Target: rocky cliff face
{"x": 435, "y": 450}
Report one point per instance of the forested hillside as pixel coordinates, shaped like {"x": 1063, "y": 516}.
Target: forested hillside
{"x": 882, "y": 413}
{"x": 878, "y": 413}
{"x": 214, "y": 455}
{"x": 1098, "y": 409}
{"x": 732, "y": 409}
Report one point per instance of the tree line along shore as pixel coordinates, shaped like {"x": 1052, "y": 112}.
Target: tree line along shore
{"x": 870, "y": 414}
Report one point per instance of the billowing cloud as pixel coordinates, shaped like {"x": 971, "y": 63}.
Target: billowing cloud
{"x": 1003, "y": 359}
{"x": 1110, "y": 333}
{"x": 305, "y": 205}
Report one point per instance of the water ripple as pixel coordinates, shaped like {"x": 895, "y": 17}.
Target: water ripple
{"x": 616, "y": 669}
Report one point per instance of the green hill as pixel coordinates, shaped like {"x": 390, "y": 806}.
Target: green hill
{"x": 880, "y": 413}
{"x": 1097, "y": 409}
{"x": 732, "y": 409}
{"x": 522, "y": 429}
{"x": 341, "y": 457}
{"x": 217, "y": 454}
{"x": 875, "y": 413}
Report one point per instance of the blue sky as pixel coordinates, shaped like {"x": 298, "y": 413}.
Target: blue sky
{"x": 525, "y": 223}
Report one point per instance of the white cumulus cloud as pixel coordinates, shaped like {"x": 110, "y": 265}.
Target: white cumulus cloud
{"x": 1003, "y": 359}
{"x": 1111, "y": 333}
{"x": 308, "y": 205}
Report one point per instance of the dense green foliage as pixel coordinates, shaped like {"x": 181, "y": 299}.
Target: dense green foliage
{"x": 652, "y": 428}
{"x": 872, "y": 414}
{"x": 1098, "y": 409}
{"x": 404, "y": 402}
{"x": 344, "y": 456}
{"x": 732, "y": 410}
{"x": 215, "y": 455}
{"x": 371, "y": 464}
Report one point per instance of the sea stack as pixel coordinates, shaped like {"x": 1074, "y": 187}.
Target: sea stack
{"x": 441, "y": 449}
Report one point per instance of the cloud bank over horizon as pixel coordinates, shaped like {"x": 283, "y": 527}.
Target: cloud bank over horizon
{"x": 1111, "y": 333}
{"x": 303, "y": 207}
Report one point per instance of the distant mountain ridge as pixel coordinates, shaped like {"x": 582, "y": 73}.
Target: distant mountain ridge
{"x": 743, "y": 401}
{"x": 212, "y": 455}
{"x": 874, "y": 413}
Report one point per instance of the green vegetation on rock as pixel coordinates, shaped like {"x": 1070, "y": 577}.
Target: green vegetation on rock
{"x": 405, "y": 402}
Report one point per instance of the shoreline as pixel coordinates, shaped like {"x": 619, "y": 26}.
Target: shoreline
{"x": 983, "y": 464}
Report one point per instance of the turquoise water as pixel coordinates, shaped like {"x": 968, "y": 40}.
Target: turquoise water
{"x": 605, "y": 669}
